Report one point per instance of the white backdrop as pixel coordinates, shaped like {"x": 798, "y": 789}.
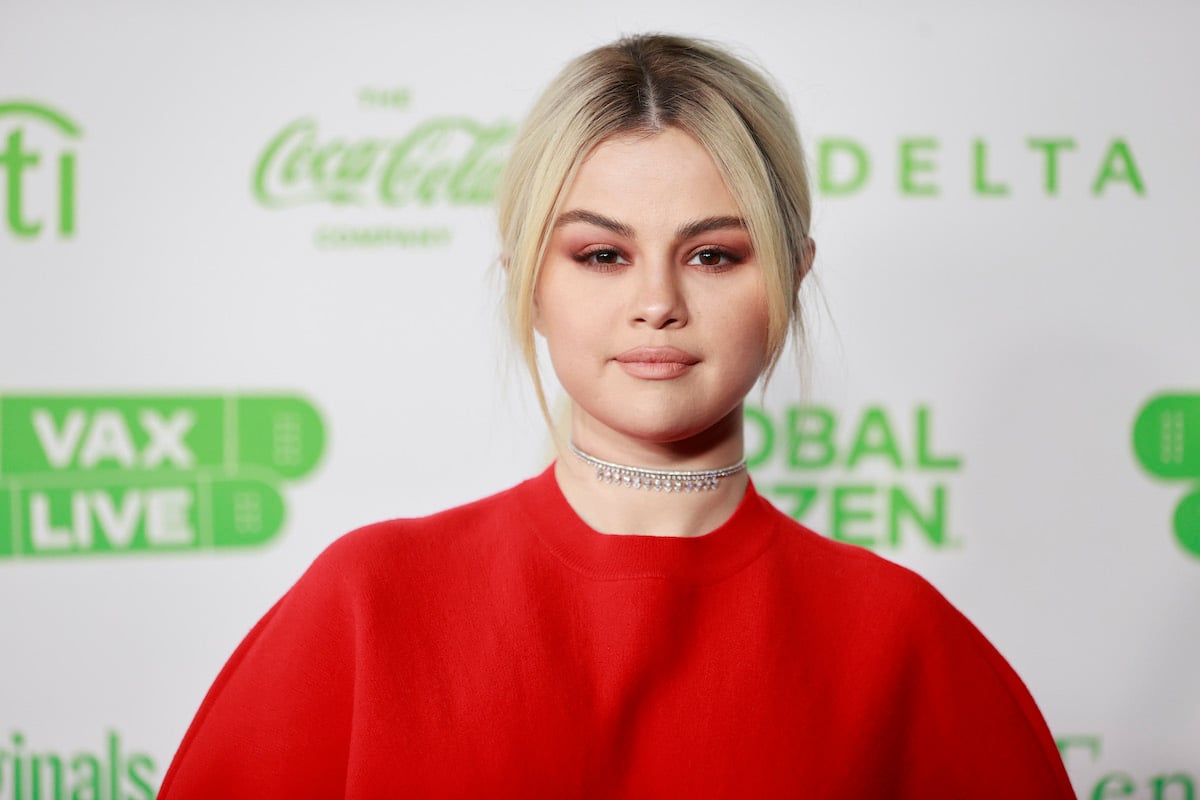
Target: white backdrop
{"x": 261, "y": 310}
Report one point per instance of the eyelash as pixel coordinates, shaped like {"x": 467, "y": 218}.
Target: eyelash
{"x": 587, "y": 257}
{"x": 730, "y": 259}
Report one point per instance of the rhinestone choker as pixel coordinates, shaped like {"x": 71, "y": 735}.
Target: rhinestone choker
{"x": 658, "y": 480}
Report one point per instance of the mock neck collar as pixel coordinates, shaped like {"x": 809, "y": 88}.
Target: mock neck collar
{"x": 747, "y": 533}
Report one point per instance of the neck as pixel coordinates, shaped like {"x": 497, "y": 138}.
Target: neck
{"x": 617, "y": 509}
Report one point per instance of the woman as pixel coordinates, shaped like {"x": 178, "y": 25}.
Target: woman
{"x": 636, "y": 621}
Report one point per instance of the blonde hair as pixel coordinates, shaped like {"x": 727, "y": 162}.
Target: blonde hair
{"x": 643, "y": 84}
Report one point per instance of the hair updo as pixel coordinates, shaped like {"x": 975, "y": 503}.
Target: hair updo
{"x": 644, "y": 84}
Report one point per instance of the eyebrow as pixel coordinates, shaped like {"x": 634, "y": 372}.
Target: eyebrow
{"x": 599, "y": 220}
{"x": 700, "y": 226}
{"x": 685, "y": 231}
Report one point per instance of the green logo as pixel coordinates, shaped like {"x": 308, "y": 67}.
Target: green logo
{"x": 872, "y": 479}
{"x": 845, "y": 167}
{"x": 109, "y": 774}
{"x": 432, "y": 163}
{"x": 23, "y": 163}
{"x": 1119, "y": 783}
{"x": 84, "y": 475}
{"x": 1166, "y": 440}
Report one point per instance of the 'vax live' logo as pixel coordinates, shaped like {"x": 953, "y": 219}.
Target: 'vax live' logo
{"x": 873, "y": 478}
{"x": 84, "y": 475}
{"x": 1166, "y": 439}
{"x": 39, "y": 183}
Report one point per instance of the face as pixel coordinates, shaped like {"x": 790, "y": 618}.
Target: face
{"x": 650, "y": 298}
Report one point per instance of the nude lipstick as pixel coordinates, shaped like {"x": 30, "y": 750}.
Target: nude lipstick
{"x": 656, "y": 363}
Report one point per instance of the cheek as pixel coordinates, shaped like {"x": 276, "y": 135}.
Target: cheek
{"x": 549, "y": 295}
{"x": 548, "y": 299}
{"x": 535, "y": 315}
{"x": 553, "y": 320}
{"x": 570, "y": 309}
{"x": 746, "y": 321}
{"x": 566, "y": 330}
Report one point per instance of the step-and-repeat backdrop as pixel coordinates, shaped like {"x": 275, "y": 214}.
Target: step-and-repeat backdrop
{"x": 249, "y": 301}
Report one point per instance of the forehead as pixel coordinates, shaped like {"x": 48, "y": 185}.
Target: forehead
{"x": 663, "y": 177}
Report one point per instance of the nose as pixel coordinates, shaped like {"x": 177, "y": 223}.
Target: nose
{"x": 659, "y": 301}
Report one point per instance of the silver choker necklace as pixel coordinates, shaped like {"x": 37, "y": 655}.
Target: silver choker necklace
{"x": 657, "y": 480}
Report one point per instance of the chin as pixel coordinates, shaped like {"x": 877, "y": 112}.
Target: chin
{"x": 665, "y": 426}
{"x": 663, "y": 435}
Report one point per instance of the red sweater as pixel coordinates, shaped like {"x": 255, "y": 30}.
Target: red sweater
{"x": 505, "y": 649}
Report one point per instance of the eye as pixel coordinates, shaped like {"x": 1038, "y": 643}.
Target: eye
{"x": 713, "y": 258}
{"x": 602, "y": 258}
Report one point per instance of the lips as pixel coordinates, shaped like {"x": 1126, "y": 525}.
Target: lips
{"x": 656, "y": 363}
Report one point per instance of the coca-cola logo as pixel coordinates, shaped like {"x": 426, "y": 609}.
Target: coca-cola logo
{"x": 387, "y": 188}
{"x": 450, "y": 160}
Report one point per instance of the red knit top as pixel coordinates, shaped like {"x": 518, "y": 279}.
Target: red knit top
{"x": 506, "y": 649}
